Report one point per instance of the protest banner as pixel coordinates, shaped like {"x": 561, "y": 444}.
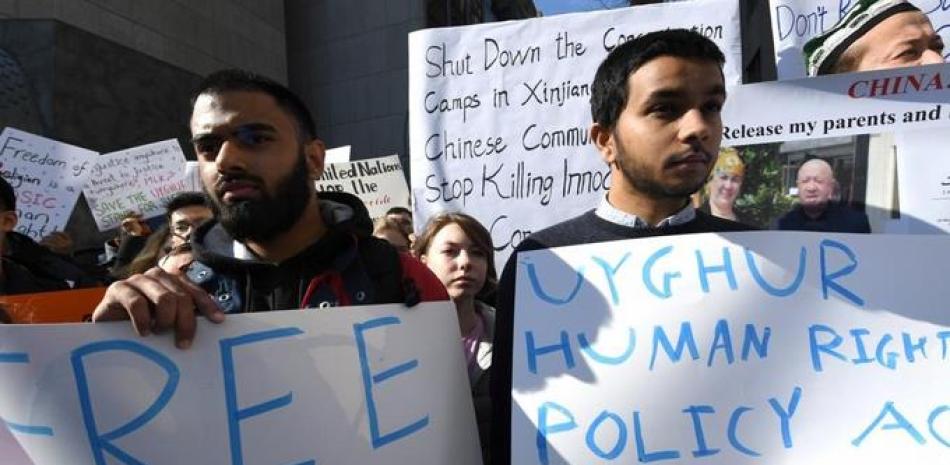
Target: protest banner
{"x": 10, "y": 450}
{"x": 47, "y": 177}
{"x": 138, "y": 180}
{"x": 838, "y": 105}
{"x": 378, "y": 182}
{"x": 337, "y": 155}
{"x": 794, "y": 22}
{"x": 192, "y": 177}
{"x": 923, "y": 170}
{"x": 499, "y": 113}
{"x": 743, "y": 348}
{"x": 372, "y": 384}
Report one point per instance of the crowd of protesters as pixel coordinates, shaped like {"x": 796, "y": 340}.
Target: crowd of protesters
{"x": 260, "y": 238}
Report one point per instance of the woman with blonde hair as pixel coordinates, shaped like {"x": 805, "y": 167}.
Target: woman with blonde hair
{"x": 724, "y": 185}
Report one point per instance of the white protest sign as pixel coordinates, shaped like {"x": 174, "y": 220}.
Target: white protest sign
{"x": 192, "y": 177}
{"x": 47, "y": 177}
{"x": 838, "y": 105}
{"x": 378, "y": 182}
{"x": 794, "y": 22}
{"x": 138, "y": 180}
{"x": 10, "y": 450}
{"x": 923, "y": 174}
{"x": 499, "y": 113}
{"x": 372, "y": 384}
{"x": 743, "y": 348}
{"x": 337, "y": 155}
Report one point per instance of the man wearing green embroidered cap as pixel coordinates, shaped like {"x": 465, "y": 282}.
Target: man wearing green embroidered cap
{"x": 875, "y": 34}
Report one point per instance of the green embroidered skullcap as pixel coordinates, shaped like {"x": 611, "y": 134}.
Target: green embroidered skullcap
{"x": 823, "y": 51}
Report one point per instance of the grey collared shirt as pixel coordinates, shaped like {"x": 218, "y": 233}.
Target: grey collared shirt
{"x": 610, "y": 213}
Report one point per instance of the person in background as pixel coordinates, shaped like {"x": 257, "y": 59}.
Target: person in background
{"x": 401, "y": 216}
{"x": 458, "y": 249}
{"x": 724, "y": 185}
{"x": 392, "y": 232}
{"x": 816, "y": 209}
{"x": 184, "y": 213}
{"x": 15, "y": 276}
{"x": 875, "y": 34}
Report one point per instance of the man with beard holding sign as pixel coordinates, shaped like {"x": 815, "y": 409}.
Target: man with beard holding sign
{"x": 275, "y": 244}
{"x": 656, "y": 103}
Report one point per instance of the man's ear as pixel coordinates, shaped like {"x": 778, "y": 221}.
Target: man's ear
{"x": 8, "y": 221}
{"x": 604, "y": 141}
{"x": 315, "y": 151}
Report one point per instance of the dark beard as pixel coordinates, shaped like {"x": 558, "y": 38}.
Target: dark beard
{"x": 650, "y": 187}
{"x": 264, "y": 218}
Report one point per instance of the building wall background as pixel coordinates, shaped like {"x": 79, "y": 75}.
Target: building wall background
{"x": 348, "y": 60}
{"x": 199, "y": 36}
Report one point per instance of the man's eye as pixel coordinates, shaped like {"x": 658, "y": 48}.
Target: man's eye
{"x": 206, "y": 146}
{"x": 713, "y": 107}
{"x": 251, "y": 138}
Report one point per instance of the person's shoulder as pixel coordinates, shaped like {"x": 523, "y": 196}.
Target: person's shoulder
{"x": 710, "y": 223}
{"x": 577, "y": 230}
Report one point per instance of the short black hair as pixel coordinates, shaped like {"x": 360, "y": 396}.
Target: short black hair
{"x": 7, "y": 196}
{"x": 185, "y": 199}
{"x": 399, "y": 211}
{"x": 236, "y": 80}
{"x": 609, "y": 91}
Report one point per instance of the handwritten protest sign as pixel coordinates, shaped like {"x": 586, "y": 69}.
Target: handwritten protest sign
{"x": 378, "y": 182}
{"x": 794, "y": 22}
{"x": 838, "y": 105}
{"x": 499, "y": 113}
{"x": 337, "y": 155}
{"x": 138, "y": 180}
{"x": 10, "y": 450}
{"x": 47, "y": 177}
{"x": 923, "y": 169}
{"x": 742, "y": 348}
{"x": 192, "y": 177}
{"x": 380, "y": 384}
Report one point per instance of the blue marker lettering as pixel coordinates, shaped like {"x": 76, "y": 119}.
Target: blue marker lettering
{"x": 721, "y": 341}
{"x": 545, "y": 429}
{"x": 828, "y": 348}
{"x": 540, "y": 293}
{"x": 785, "y": 414}
{"x": 828, "y": 279}
{"x": 705, "y": 271}
{"x": 102, "y": 443}
{"x": 667, "y": 292}
{"x": 899, "y": 423}
{"x": 609, "y": 273}
{"x": 378, "y": 440}
{"x": 617, "y": 449}
{"x": 235, "y": 414}
{"x": 702, "y": 450}
{"x": 944, "y": 336}
{"x": 857, "y": 334}
{"x": 891, "y": 359}
{"x": 733, "y": 427}
{"x": 932, "y": 419}
{"x": 685, "y": 341}
{"x": 910, "y": 347}
{"x": 533, "y": 351}
{"x": 770, "y": 289}
{"x": 642, "y": 453}
{"x": 607, "y": 359}
{"x": 22, "y": 358}
{"x": 751, "y": 340}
